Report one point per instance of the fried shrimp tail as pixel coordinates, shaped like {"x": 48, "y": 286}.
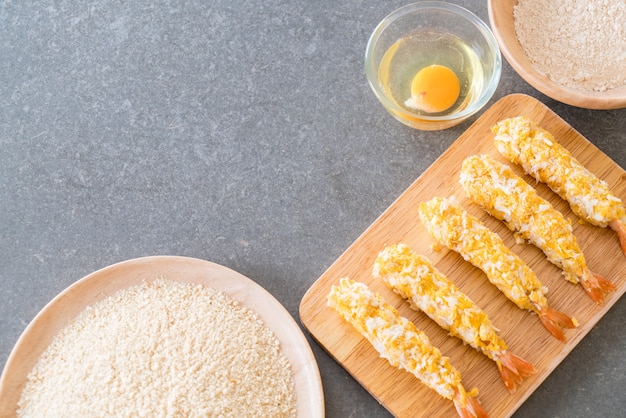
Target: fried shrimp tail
{"x": 398, "y": 341}
{"x": 596, "y": 286}
{"x": 513, "y": 369}
{"x": 468, "y": 406}
{"x": 523, "y": 142}
{"x": 507, "y": 197}
{"x": 452, "y": 226}
{"x": 620, "y": 228}
{"x": 416, "y": 279}
{"x": 554, "y": 321}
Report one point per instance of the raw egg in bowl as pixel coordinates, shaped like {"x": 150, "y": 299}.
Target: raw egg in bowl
{"x": 432, "y": 64}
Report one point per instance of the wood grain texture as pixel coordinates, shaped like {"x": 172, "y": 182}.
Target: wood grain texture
{"x": 401, "y": 393}
{"x": 503, "y": 27}
{"x": 98, "y": 285}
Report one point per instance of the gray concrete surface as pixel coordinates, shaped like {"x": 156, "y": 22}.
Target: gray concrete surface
{"x": 241, "y": 132}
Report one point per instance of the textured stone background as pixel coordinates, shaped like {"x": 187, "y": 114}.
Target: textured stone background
{"x": 241, "y": 132}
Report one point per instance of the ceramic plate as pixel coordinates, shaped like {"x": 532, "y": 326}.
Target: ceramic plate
{"x": 105, "y": 282}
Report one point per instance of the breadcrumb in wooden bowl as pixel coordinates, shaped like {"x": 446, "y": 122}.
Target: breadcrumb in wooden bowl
{"x": 574, "y": 53}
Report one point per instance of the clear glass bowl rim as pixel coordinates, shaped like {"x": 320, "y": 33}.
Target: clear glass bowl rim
{"x": 372, "y": 73}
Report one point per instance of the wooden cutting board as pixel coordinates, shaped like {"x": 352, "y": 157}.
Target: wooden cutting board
{"x": 400, "y": 392}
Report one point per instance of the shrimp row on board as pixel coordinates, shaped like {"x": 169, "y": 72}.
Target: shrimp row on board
{"x": 507, "y": 197}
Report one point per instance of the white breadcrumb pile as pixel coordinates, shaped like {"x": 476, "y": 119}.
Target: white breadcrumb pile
{"x": 165, "y": 349}
{"x": 579, "y": 44}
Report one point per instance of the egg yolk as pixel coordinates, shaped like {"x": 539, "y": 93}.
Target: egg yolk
{"x": 435, "y": 88}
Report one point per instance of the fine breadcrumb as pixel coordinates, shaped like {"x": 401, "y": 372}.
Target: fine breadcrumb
{"x": 166, "y": 349}
{"x": 580, "y": 44}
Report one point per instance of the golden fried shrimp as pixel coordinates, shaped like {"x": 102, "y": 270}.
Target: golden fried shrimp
{"x": 416, "y": 279}
{"x": 451, "y": 226}
{"x": 397, "y": 339}
{"x": 523, "y": 142}
{"x": 507, "y": 197}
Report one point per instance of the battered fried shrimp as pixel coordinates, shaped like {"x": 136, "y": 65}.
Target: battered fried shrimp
{"x": 451, "y": 226}
{"x": 523, "y": 142}
{"x": 509, "y": 198}
{"x": 415, "y": 278}
{"x": 402, "y": 344}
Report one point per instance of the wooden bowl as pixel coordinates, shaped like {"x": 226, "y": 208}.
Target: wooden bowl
{"x": 102, "y": 283}
{"x": 502, "y": 26}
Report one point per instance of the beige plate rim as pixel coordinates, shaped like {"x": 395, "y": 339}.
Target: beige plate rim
{"x": 101, "y": 283}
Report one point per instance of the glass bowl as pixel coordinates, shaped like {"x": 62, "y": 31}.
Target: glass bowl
{"x": 436, "y": 33}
